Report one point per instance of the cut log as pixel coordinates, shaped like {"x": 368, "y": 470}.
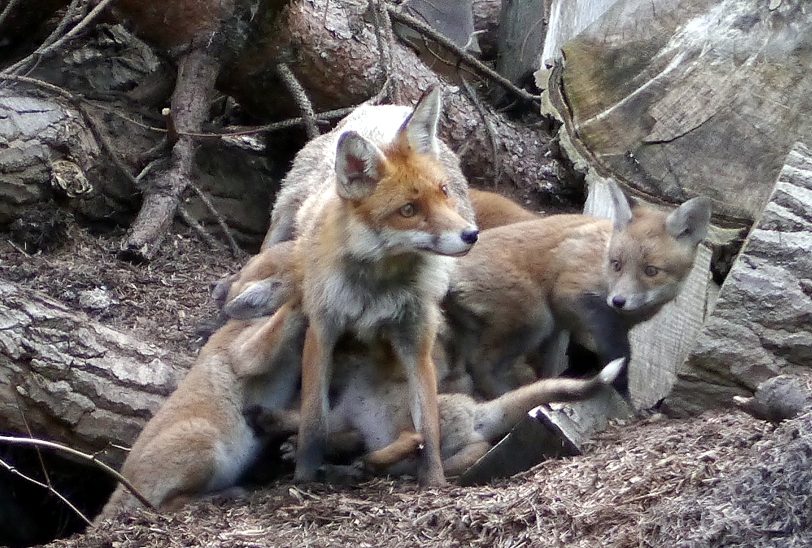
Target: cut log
{"x": 567, "y": 18}
{"x": 760, "y": 325}
{"x": 73, "y": 380}
{"x": 486, "y": 25}
{"x": 678, "y": 99}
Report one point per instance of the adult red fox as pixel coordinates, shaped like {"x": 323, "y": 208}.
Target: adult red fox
{"x": 523, "y": 283}
{"x": 199, "y": 440}
{"x": 382, "y": 214}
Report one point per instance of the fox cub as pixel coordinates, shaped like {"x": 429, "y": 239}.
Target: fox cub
{"x": 199, "y": 440}
{"x": 523, "y": 283}
{"x": 372, "y": 414}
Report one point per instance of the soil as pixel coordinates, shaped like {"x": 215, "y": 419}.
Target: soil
{"x": 165, "y": 301}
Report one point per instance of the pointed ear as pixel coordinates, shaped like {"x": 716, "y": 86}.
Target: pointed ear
{"x": 419, "y": 131}
{"x": 690, "y": 221}
{"x": 623, "y": 211}
{"x": 359, "y": 166}
{"x": 258, "y": 299}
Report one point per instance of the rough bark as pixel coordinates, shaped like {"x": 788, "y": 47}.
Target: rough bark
{"x": 336, "y": 58}
{"x": 486, "y": 23}
{"x": 760, "y": 325}
{"x": 75, "y": 380}
{"x": 522, "y": 27}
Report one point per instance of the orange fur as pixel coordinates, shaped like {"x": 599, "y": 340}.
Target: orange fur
{"x": 494, "y": 210}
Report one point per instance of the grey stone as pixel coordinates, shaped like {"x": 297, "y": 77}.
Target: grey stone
{"x": 762, "y": 322}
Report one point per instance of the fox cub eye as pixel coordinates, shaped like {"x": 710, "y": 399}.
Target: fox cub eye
{"x": 444, "y": 189}
{"x": 651, "y": 271}
{"x": 408, "y": 210}
{"x": 616, "y": 266}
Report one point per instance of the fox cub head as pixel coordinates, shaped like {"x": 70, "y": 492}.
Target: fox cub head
{"x": 399, "y": 195}
{"x": 651, "y": 253}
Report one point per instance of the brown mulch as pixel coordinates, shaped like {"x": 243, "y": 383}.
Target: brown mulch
{"x": 163, "y": 301}
{"x": 602, "y": 498}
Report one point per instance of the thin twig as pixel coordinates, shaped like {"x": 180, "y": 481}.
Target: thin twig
{"x": 466, "y": 57}
{"x": 64, "y": 448}
{"x": 300, "y": 96}
{"x": 236, "y": 252}
{"x": 43, "y": 52}
{"x": 47, "y": 487}
{"x": 192, "y": 223}
{"x": 73, "y": 12}
{"x": 497, "y": 166}
{"x": 31, "y": 435}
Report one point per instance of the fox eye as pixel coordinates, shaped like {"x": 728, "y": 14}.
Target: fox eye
{"x": 408, "y": 210}
{"x": 651, "y": 271}
{"x": 444, "y": 189}
{"x": 616, "y": 265}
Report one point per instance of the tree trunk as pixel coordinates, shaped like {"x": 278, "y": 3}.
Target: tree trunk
{"x": 334, "y": 54}
{"x": 74, "y": 380}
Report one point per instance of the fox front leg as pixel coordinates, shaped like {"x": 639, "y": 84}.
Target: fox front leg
{"x": 316, "y": 369}
{"x": 610, "y": 333}
{"x": 414, "y": 353}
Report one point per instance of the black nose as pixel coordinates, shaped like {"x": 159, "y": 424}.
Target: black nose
{"x": 470, "y": 236}
{"x": 619, "y": 301}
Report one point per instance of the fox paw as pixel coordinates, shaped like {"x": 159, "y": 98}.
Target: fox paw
{"x": 288, "y": 449}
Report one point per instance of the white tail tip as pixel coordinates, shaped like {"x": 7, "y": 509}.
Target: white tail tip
{"x": 609, "y": 373}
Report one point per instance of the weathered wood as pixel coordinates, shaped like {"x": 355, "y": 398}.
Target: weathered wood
{"x": 676, "y": 99}
{"x": 567, "y": 18}
{"x": 760, "y": 325}
{"x": 522, "y": 26}
{"x": 74, "y": 380}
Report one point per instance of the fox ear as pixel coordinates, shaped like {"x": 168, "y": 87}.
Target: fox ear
{"x": 689, "y": 222}
{"x": 420, "y": 128}
{"x": 358, "y": 166}
{"x": 623, "y": 211}
{"x": 258, "y": 299}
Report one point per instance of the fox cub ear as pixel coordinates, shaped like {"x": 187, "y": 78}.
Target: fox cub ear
{"x": 419, "y": 131}
{"x": 623, "y": 211}
{"x": 689, "y": 222}
{"x": 359, "y": 165}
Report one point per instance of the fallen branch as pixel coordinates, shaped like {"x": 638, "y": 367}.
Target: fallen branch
{"x": 236, "y": 252}
{"x": 465, "y": 57}
{"x": 12, "y": 440}
{"x": 300, "y": 96}
{"x": 197, "y": 72}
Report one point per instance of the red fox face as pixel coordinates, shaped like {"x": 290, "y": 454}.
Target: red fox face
{"x": 399, "y": 196}
{"x": 650, "y": 253}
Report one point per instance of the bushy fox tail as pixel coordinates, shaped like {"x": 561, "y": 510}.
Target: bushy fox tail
{"x": 496, "y": 417}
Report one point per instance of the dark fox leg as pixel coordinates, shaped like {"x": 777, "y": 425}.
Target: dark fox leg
{"x": 611, "y": 336}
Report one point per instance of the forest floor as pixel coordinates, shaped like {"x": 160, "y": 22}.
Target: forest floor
{"x": 640, "y": 483}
